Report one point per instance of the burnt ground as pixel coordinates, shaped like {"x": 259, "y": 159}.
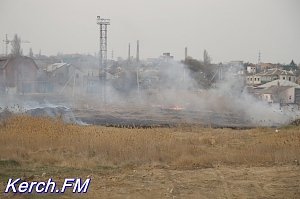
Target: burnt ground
{"x": 139, "y": 117}
{"x": 144, "y": 118}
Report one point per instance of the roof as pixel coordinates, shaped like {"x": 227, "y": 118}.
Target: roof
{"x": 55, "y": 66}
{"x": 275, "y": 71}
{"x": 275, "y": 89}
{"x": 5, "y": 61}
{"x": 268, "y": 65}
{"x": 280, "y": 83}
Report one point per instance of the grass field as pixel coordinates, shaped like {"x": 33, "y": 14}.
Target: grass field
{"x": 186, "y": 161}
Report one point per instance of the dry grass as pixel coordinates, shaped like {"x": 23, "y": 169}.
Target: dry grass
{"x": 44, "y": 141}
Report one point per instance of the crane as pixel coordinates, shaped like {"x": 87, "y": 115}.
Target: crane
{"x": 6, "y": 42}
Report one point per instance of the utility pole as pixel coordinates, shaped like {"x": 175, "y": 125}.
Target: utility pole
{"x": 185, "y": 59}
{"x": 137, "y": 66}
{"x": 103, "y": 23}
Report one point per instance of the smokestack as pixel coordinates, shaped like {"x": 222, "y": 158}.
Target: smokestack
{"x": 129, "y": 52}
{"x": 137, "y": 51}
{"x": 186, "y": 53}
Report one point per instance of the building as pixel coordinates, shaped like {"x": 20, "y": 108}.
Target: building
{"x": 280, "y": 94}
{"x": 59, "y": 72}
{"x": 267, "y": 66}
{"x": 167, "y": 57}
{"x": 18, "y": 75}
{"x": 251, "y": 69}
{"x": 270, "y": 75}
{"x": 278, "y": 83}
{"x": 63, "y": 76}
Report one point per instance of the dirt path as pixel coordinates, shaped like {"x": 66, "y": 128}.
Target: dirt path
{"x": 222, "y": 182}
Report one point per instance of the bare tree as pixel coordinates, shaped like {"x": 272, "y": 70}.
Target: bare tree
{"x": 16, "y": 46}
{"x": 206, "y": 58}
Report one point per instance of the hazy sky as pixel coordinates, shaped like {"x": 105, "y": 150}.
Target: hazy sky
{"x": 228, "y": 29}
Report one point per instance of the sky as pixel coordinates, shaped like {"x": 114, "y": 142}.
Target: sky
{"x": 227, "y": 29}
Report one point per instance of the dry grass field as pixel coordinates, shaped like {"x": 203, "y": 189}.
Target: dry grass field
{"x": 182, "y": 162}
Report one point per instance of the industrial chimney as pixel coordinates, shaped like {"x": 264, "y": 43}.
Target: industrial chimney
{"x": 129, "y": 52}
{"x": 186, "y": 54}
{"x": 137, "y": 51}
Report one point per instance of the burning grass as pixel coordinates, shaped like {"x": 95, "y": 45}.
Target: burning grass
{"x": 44, "y": 141}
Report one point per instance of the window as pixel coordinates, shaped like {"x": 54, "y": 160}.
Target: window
{"x": 283, "y": 78}
{"x": 290, "y": 79}
{"x": 254, "y": 79}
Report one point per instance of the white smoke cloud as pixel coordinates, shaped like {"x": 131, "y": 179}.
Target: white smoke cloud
{"x": 174, "y": 89}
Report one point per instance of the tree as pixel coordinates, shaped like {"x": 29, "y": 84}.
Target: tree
{"x": 200, "y": 72}
{"x": 30, "y": 53}
{"x": 16, "y": 46}
{"x": 291, "y": 66}
{"x": 206, "y": 58}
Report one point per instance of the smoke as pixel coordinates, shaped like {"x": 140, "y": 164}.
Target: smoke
{"x": 166, "y": 91}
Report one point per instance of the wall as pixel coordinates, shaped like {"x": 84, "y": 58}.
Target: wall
{"x": 290, "y": 78}
{"x": 20, "y": 75}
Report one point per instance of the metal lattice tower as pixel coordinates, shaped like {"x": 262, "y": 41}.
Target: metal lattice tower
{"x": 103, "y": 23}
{"x": 259, "y": 57}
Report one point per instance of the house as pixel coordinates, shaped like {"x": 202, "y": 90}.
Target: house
{"x": 18, "y": 75}
{"x": 278, "y": 83}
{"x": 235, "y": 64}
{"x": 284, "y": 97}
{"x": 278, "y": 94}
{"x": 251, "y": 69}
{"x": 270, "y": 75}
{"x": 59, "y": 72}
{"x": 267, "y": 66}
{"x": 63, "y": 75}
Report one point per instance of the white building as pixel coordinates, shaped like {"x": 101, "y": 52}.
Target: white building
{"x": 251, "y": 69}
{"x": 270, "y": 75}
